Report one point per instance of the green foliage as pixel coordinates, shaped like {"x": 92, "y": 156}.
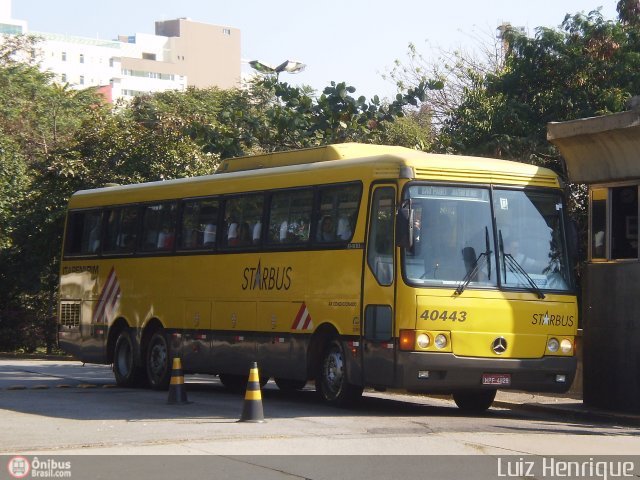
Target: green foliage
{"x": 295, "y": 119}
{"x": 14, "y": 183}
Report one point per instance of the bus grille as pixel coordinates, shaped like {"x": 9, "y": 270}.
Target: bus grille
{"x": 70, "y": 314}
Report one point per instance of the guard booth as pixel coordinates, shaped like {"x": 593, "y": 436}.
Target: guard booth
{"x": 604, "y": 153}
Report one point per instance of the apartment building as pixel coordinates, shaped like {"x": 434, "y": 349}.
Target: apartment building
{"x": 180, "y": 54}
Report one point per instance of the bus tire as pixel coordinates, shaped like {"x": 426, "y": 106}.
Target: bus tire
{"x": 474, "y": 401}
{"x": 125, "y": 370}
{"x": 158, "y": 361}
{"x": 331, "y": 379}
{"x": 289, "y": 385}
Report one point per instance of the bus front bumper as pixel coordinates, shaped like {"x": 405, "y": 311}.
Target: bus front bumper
{"x": 447, "y": 373}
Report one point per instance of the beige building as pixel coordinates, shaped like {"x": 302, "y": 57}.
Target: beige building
{"x": 206, "y": 54}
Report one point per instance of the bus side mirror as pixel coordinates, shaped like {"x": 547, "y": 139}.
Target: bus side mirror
{"x": 404, "y": 225}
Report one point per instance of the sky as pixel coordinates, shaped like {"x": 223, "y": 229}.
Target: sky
{"x": 352, "y": 41}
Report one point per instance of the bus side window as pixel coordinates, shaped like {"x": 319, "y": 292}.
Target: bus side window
{"x": 243, "y": 221}
{"x": 84, "y": 231}
{"x": 290, "y": 217}
{"x": 158, "y": 227}
{"x": 199, "y": 224}
{"x": 121, "y": 230}
{"x": 337, "y": 213}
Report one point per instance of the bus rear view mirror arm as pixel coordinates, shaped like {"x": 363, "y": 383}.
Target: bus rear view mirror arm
{"x": 404, "y": 225}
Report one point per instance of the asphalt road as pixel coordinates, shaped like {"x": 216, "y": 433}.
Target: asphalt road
{"x": 65, "y": 408}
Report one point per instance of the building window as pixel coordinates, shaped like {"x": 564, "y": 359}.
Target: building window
{"x": 226, "y": 31}
{"x": 8, "y": 29}
{"x": 624, "y": 222}
{"x": 82, "y": 58}
{"x": 599, "y": 223}
{"x": 614, "y": 223}
{"x": 63, "y": 77}
{"x": 81, "y": 79}
{"x": 148, "y": 56}
{"x": 64, "y": 56}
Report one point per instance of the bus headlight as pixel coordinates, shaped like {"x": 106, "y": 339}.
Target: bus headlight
{"x": 440, "y": 341}
{"x": 423, "y": 340}
{"x": 566, "y": 345}
{"x": 553, "y": 345}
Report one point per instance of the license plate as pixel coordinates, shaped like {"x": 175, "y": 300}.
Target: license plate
{"x": 496, "y": 379}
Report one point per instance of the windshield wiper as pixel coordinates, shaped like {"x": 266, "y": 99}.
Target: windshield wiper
{"x": 467, "y": 278}
{"x": 507, "y": 258}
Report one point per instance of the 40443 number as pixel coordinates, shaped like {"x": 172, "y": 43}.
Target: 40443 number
{"x": 444, "y": 315}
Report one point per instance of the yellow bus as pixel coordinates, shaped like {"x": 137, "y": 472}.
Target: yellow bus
{"x": 350, "y": 265}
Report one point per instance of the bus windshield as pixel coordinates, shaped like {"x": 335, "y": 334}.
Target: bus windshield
{"x": 453, "y": 236}
{"x": 454, "y": 243}
{"x": 531, "y": 239}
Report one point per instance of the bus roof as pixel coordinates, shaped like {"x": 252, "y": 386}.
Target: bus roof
{"x": 328, "y": 164}
{"x": 326, "y": 153}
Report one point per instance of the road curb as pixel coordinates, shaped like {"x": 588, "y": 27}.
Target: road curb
{"x": 35, "y": 356}
{"x": 81, "y": 386}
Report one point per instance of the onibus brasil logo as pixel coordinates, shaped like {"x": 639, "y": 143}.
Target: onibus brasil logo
{"x": 20, "y": 467}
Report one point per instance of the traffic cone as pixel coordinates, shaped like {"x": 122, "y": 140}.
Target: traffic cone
{"x": 252, "y": 408}
{"x": 177, "y": 392}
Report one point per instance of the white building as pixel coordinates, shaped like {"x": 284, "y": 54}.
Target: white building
{"x": 182, "y": 53}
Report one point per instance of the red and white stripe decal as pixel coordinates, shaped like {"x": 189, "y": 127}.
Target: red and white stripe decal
{"x": 303, "y": 319}
{"x": 109, "y": 299}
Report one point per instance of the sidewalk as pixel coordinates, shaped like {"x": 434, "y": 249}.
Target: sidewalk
{"x": 565, "y": 405}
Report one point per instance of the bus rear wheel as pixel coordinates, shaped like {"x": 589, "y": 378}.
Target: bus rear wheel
{"x": 158, "y": 362}
{"x": 475, "y": 401}
{"x": 331, "y": 380}
{"x": 127, "y": 373}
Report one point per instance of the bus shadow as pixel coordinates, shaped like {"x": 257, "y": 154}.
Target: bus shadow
{"x": 209, "y": 403}
{"x": 69, "y": 390}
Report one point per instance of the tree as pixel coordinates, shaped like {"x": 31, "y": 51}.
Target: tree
{"x": 295, "y": 119}
{"x": 457, "y": 71}
{"x": 588, "y": 67}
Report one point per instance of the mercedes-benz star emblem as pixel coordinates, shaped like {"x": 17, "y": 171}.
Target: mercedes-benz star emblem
{"x": 499, "y": 345}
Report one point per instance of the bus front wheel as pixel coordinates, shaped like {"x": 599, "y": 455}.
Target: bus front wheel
{"x": 475, "y": 401}
{"x": 331, "y": 380}
{"x": 158, "y": 362}
{"x": 127, "y": 373}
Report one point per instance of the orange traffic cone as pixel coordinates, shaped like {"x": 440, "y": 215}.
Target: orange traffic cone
{"x": 177, "y": 391}
{"x": 252, "y": 408}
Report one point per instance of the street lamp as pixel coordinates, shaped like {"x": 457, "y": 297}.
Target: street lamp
{"x": 288, "y": 66}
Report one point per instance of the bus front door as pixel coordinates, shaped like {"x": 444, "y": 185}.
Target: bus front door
{"x": 378, "y": 290}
